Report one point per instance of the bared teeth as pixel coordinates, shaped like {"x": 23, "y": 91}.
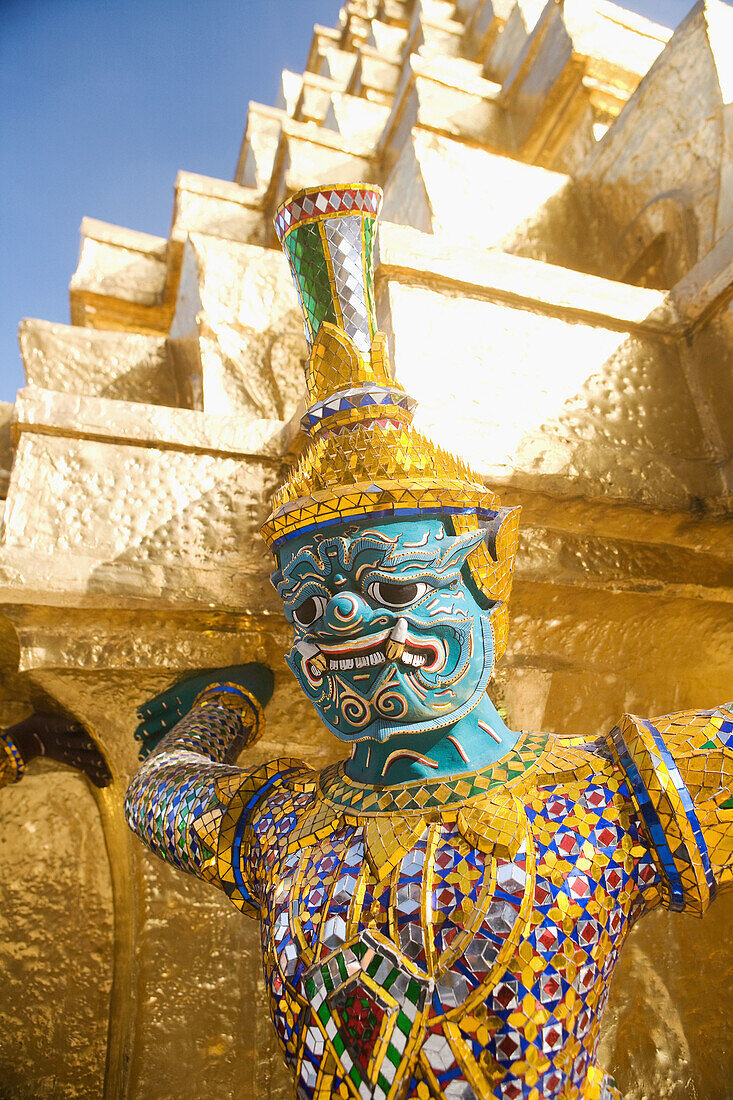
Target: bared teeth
{"x": 367, "y": 660}
{"x": 413, "y": 659}
{"x": 376, "y": 657}
{"x": 395, "y": 649}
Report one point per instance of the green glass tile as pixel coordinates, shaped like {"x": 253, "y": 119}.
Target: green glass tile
{"x": 305, "y": 249}
{"x": 403, "y": 1023}
{"x": 391, "y": 979}
{"x": 374, "y": 966}
{"x": 369, "y": 229}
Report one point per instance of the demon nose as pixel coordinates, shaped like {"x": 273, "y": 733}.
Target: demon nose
{"x": 344, "y": 610}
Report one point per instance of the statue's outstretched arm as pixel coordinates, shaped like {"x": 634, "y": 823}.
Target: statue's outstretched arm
{"x": 177, "y": 800}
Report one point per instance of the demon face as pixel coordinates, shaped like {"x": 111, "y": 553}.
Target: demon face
{"x": 388, "y": 634}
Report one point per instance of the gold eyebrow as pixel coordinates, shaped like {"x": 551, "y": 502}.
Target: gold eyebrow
{"x": 414, "y": 545}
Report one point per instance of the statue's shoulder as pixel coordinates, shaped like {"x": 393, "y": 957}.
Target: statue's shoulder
{"x": 679, "y": 769}
{"x": 566, "y": 759}
{"x": 256, "y": 801}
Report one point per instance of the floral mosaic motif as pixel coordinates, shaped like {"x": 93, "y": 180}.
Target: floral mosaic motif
{"x": 499, "y": 966}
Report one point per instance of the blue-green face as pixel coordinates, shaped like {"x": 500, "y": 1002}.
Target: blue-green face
{"x": 388, "y": 637}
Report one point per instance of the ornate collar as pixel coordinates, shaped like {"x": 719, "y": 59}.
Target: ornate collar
{"x": 423, "y": 795}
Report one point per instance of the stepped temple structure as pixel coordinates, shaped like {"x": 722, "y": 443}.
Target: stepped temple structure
{"x": 556, "y": 248}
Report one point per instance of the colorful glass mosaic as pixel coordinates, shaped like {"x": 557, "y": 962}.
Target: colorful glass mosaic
{"x": 328, "y": 237}
{"x": 450, "y": 940}
{"x": 441, "y": 913}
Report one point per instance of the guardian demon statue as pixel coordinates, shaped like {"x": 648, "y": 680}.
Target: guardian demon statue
{"x": 441, "y": 913}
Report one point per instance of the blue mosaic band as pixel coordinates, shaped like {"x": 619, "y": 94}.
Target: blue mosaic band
{"x": 687, "y": 803}
{"x": 652, "y": 822}
{"x": 667, "y": 809}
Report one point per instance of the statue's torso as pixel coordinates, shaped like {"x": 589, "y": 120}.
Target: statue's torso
{"x": 464, "y": 951}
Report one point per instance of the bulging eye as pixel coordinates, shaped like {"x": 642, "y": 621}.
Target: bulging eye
{"x": 309, "y": 610}
{"x": 396, "y": 596}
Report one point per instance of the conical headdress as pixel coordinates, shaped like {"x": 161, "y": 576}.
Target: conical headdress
{"x": 363, "y": 458}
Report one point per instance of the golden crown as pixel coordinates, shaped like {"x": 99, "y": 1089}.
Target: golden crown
{"x": 363, "y": 458}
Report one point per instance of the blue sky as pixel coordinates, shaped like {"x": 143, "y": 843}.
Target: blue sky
{"x": 103, "y": 101}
